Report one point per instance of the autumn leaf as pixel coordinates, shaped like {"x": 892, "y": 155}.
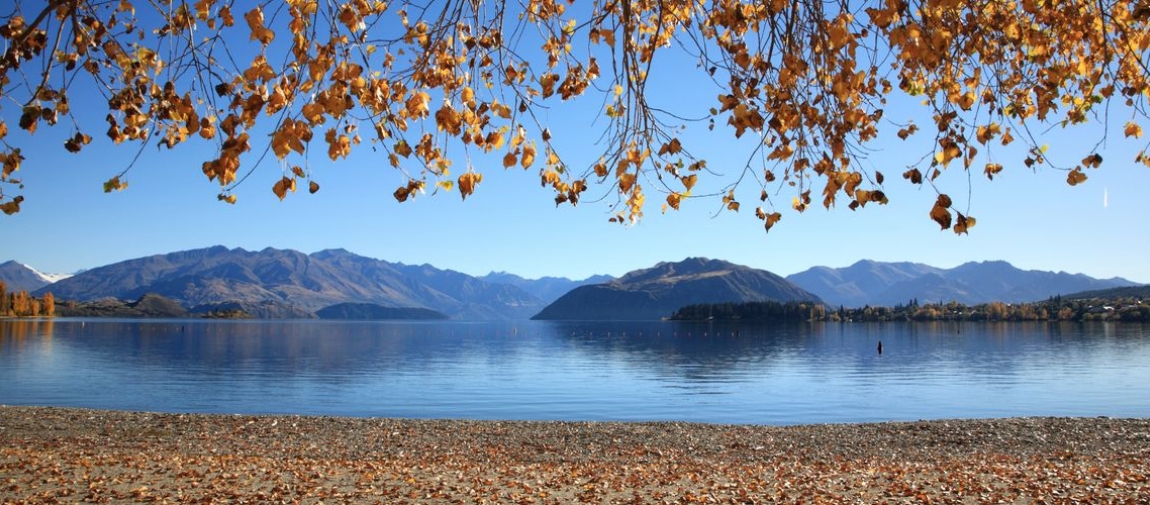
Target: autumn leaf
{"x": 795, "y": 78}
{"x": 77, "y": 142}
{"x": 771, "y": 219}
{"x": 10, "y": 163}
{"x": 913, "y": 175}
{"x": 1075, "y": 177}
{"x": 626, "y": 182}
{"x": 12, "y": 206}
{"x": 115, "y": 184}
{"x": 963, "y": 224}
{"x": 1092, "y": 161}
{"x": 940, "y": 215}
{"x": 467, "y": 183}
{"x": 689, "y": 181}
{"x": 1133, "y": 130}
{"x": 282, "y": 186}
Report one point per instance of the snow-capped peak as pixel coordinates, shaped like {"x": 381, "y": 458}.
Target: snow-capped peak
{"x": 49, "y": 278}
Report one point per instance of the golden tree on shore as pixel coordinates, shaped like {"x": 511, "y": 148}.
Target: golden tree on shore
{"x": 5, "y": 302}
{"x": 433, "y": 84}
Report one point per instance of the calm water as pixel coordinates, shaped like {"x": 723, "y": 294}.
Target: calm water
{"x": 581, "y": 371}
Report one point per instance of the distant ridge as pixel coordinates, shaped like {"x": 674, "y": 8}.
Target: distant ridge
{"x": 656, "y": 292}
{"x": 1140, "y": 291}
{"x": 887, "y": 284}
{"x": 279, "y": 282}
{"x": 547, "y": 289}
{"x": 274, "y": 283}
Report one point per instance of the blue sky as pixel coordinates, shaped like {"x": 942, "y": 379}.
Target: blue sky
{"x": 1030, "y": 218}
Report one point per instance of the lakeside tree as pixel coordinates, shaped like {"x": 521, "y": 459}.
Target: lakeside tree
{"x": 436, "y": 86}
{"x": 21, "y": 304}
{"x": 5, "y": 303}
{"x": 48, "y": 305}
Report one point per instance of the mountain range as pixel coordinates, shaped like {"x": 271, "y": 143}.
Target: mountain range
{"x": 274, "y": 283}
{"x": 887, "y": 284}
{"x": 658, "y": 291}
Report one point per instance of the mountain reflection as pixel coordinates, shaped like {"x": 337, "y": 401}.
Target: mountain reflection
{"x": 714, "y": 372}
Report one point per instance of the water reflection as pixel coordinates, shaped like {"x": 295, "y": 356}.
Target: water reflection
{"x": 579, "y": 370}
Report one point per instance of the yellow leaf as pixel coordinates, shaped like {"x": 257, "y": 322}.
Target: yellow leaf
{"x": 115, "y": 184}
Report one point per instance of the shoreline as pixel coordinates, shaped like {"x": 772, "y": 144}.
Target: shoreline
{"x": 66, "y": 454}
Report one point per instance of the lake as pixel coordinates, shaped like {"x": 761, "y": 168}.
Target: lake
{"x": 535, "y": 370}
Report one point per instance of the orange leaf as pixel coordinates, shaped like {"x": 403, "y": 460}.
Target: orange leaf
{"x": 1075, "y": 177}
{"x": 940, "y": 215}
{"x": 689, "y": 181}
{"x": 282, "y": 186}
{"x": 1133, "y": 130}
{"x": 963, "y": 224}
{"x": 12, "y": 207}
{"x": 467, "y": 183}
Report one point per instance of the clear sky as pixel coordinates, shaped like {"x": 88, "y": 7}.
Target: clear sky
{"x": 1030, "y": 218}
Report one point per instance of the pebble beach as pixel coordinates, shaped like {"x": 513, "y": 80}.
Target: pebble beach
{"x": 59, "y": 455}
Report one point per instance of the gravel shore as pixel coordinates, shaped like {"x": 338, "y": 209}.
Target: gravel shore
{"x": 72, "y": 455}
